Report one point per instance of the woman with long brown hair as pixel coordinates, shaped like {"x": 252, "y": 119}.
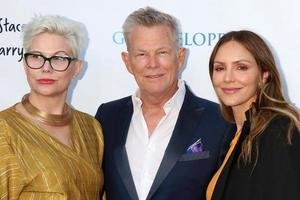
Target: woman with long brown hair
{"x": 263, "y": 159}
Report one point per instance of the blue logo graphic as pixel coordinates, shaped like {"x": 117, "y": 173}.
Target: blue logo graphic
{"x": 199, "y": 39}
{"x": 118, "y": 37}
{"x": 185, "y": 39}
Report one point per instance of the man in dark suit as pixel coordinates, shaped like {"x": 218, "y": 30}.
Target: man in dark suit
{"x": 163, "y": 142}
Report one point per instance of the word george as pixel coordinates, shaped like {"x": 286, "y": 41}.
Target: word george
{"x": 12, "y": 51}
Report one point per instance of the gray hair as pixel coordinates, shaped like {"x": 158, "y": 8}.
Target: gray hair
{"x": 74, "y": 32}
{"x": 150, "y": 17}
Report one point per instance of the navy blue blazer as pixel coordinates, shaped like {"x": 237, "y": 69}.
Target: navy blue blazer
{"x": 181, "y": 175}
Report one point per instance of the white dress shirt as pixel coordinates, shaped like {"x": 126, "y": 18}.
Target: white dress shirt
{"x": 145, "y": 153}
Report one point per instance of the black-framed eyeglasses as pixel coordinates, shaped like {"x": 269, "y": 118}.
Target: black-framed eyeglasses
{"x": 58, "y": 63}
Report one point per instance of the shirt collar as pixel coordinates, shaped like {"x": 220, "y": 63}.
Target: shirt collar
{"x": 175, "y": 101}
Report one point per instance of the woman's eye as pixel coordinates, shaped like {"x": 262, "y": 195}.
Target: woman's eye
{"x": 242, "y": 67}
{"x": 60, "y": 58}
{"x": 36, "y": 56}
{"x": 218, "y": 68}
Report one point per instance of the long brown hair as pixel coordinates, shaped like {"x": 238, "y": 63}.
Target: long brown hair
{"x": 270, "y": 100}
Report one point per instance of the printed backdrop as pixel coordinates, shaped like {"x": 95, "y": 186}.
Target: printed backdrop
{"x": 105, "y": 78}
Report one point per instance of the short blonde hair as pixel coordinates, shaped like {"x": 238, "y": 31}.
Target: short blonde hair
{"x": 74, "y": 32}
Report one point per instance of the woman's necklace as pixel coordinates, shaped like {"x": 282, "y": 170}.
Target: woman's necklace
{"x": 46, "y": 118}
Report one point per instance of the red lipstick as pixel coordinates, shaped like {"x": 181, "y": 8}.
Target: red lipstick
{"x": 46, "y": 81}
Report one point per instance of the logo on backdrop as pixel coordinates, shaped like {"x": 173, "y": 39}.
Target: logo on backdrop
{"x": 200, "y": 39}
{"x": 7, "y": 27}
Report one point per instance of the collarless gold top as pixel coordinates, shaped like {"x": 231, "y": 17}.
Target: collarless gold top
{"x": 35, "y": 165}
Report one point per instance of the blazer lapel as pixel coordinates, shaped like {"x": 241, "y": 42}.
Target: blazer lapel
{"x": 185, "y": 126}
{"x": 120, "y": 154}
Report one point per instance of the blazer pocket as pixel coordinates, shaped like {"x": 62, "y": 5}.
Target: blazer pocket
{"x": 194, "y": 156}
